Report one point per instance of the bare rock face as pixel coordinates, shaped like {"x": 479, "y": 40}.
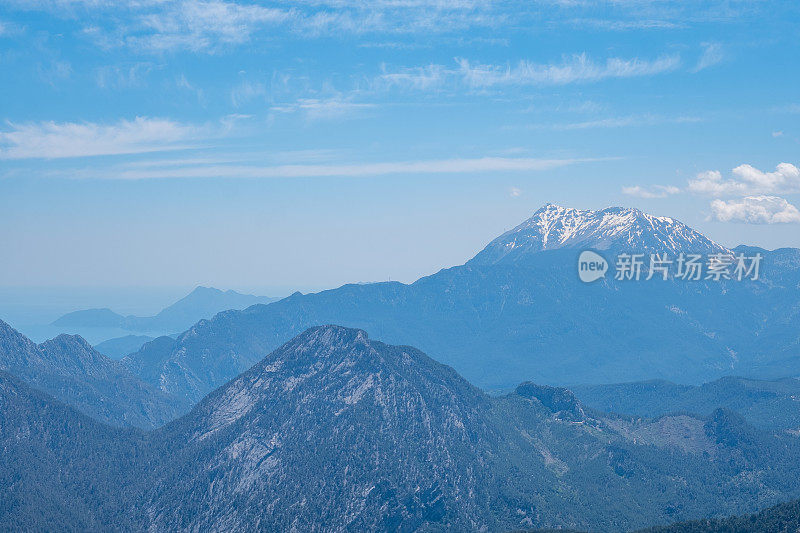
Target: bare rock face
{"x": 335, "y": 431}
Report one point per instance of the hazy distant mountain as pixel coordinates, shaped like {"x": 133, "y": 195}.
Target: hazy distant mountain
{"x": 92, "y": 318}
{"x": 334, "y": 431}
{"x": 121, "y": 346}
{"x": 68, "y": 368}
{"x": 505, "y": 316}
{"x": 202, "y": 302}
{"x": 773, "y": 405}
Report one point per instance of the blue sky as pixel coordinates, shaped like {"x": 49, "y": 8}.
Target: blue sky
{"x": 277, "y": 145}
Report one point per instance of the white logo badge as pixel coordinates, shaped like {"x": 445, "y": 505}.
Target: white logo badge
{"x": 591, "y": 266}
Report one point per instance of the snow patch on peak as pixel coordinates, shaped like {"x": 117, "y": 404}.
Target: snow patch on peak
{"x": 555, "y": 227}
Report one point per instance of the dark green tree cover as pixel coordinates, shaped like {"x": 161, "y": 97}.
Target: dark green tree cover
{"x": 783, "y": 518}
{"x": 334, "y": 431}
{"x": 60, "y": 469}
{"x": 771, "y": 405}
{"x": 69, "y": 369}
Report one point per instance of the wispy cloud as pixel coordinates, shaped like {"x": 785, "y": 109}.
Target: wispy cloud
{"x": 182, "y": 82}
{"x": 72, "y": 139}
{"x": 621, "y": 122}
{"x": 354, "y": 170}
{"x": 323, "y": 108}
{"x": 654, "y": 191}
{"x": 203, "y": 25}
{"x": 626, "y": 25}
{"x": 756, "y": 210}
{"x": 246, "y": 91}
{"x": 578, "y": 68}
{"x": 158, "y": 26}
{"x": 748, "y": 180}
{"x": 712, "y": 55}
{"x": 417, "y": 78}
{"x": 123, "y": 76}
{"x": 55, "y": 72}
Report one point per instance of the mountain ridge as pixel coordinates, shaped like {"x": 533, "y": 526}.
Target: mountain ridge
{"x": 68, "y": 368}
{"x": 770, "y": 405}
{"x": 310, "y": 439}
{"x": 615, "y": 228}
{"x": 201, "y": 302}
{"x": 532, "y": 319}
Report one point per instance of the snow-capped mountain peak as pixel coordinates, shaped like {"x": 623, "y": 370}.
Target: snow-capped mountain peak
{"x": 615, "y": 228}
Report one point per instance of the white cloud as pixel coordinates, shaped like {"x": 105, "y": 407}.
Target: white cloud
{"x": 656, "y": 191}
{"x": 578, "y": 68}
{"x": 514, "y": 192}
{"x": 417, "y": 78}
{"x": 55, "y": 72}
{"x": 202, "y": 25}
{"x": 712, "y": 54}
{"x": 776, "y": 134}
{"x": 748, "y": 180}
{"x": 355, "y": 170}
{"x": 756, "y": 210}
{"x": 167, "y": 25}
{"x": 122, "y": 76}
{"x": 247, "y": 91}
{"x": 621, "y": 122}
{"x": 323, "y": 108}
{"x": 70, "y": 139}
{"x": 182, "y": 82}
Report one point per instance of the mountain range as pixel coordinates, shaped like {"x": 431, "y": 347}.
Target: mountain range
{"x": 336, "y": 431}
{"x": 69, "y": 369}
{"x": 518, "y": 309}
{"x": 271, "y": 418}
{"x": 119, "y": 347}
{"x": 771, "y": 405}
{"x": 202, "y": 302}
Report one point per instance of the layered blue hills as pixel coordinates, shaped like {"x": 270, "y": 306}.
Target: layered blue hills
{"x": 202, "y": 302}
{"x": 518, "y": 311}
{"x": 336, "y": 431}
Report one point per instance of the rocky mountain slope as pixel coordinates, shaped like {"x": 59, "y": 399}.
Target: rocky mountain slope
{"x": 335, "y": 431}
{"x": 68, "y": 368}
